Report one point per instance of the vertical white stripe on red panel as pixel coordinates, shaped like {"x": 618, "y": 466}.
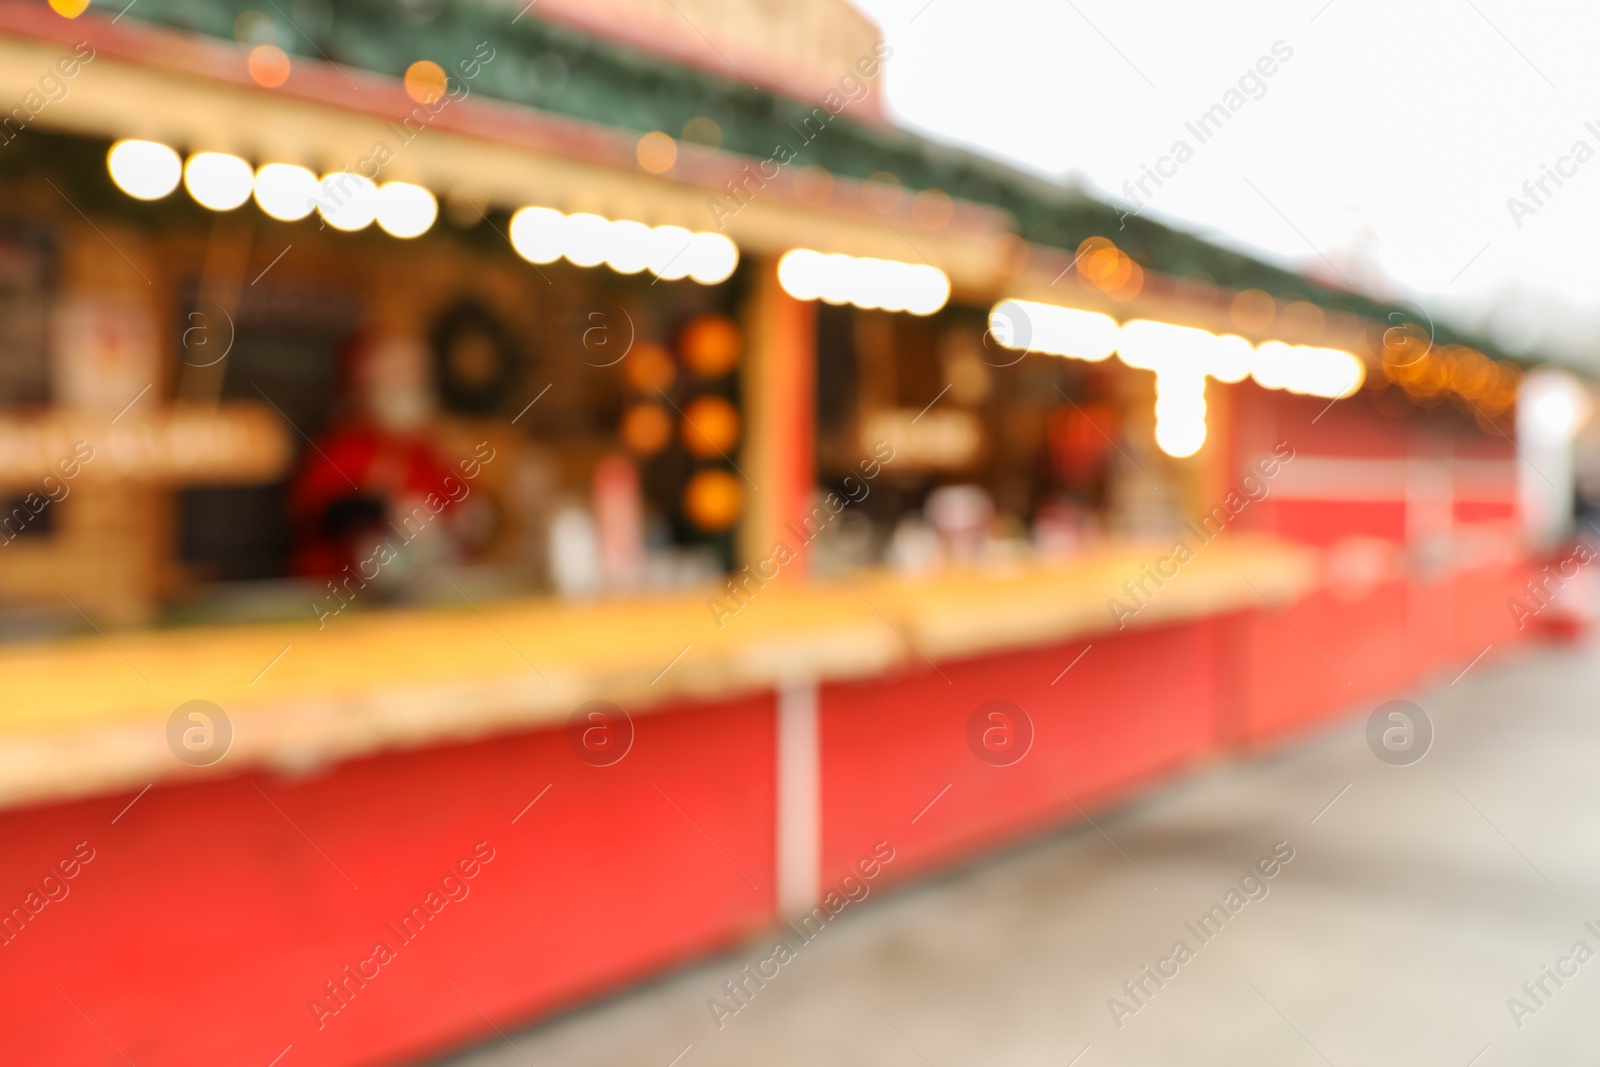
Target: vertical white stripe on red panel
{"x": 799, "y": 797}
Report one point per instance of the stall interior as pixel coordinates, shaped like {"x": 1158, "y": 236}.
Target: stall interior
{"x": 447, "y": 420}
{"x": 997, "y": 455}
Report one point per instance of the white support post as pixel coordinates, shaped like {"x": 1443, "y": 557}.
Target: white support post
{"x": 799, "y": 798}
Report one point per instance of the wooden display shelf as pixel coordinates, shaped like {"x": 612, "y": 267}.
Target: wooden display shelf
{"x": 89, "y": 715}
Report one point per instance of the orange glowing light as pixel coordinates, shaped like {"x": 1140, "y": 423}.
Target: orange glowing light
{"x": 710, "y": 427}
{"x": 1472, "y": 375}
{"x": 268, "y": 65}
{"x": 646, "y": 429}
{"x": 713, "y": 500}
{"x": 711, "y": 345}
{"x": 649, "y": 368}
{"x": 1104, "y": 266}
{"x": 70, "y": 9}
{"x": 657, "y": 152}
{"x": 425, "y": 81}
{"x": 1132, "y": 280}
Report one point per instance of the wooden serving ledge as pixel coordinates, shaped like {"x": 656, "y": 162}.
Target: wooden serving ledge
{"x": 88, "y": 716}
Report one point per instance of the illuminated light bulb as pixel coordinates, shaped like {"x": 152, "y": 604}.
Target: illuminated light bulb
{"x": 538, "y": 234}
{"x": 629, "y": 251}
{"x": 1180, "y": 439}
{"x": 1025, "y": 325}
{"x": 425, "y": 81}
{"x": 800, "y": 273}
{"x": 145, "y": 170}
{"x": 1181, "y": 383}
{"x": 1160, "y": 345}
{"x": 1273, "y": 366}
{"x": 1011, "y": 326}
{"x": 906, "y": 288}
{"x": 835, "y": 277}
{"x": 1180, "y": 392}
{"x": 930, "y": 289}
{"x": 713, "y": 499}
{"x": 1180, "y": 409}
{"x": 714, "y": 258}
{"x": 1304, "y": 369}
{"x": 1331, "y": 372}
{"x": 541, "y": 235}
{"x": 915, "y": 288}
{"x": 268, "y": 65}
{"x": 866, "y": 282}
{"x": 669, "y": 247}
{"x": 1552, "y": 406}
{"x": 218, "y": 181}
{"x": 1555, "y": 412}
{"x": 406, "y": 210}
{"x": 286, "y": 192}
{"x": 1230, "y": 358}
{"x": 839, "y": 277}
{"x": 347, "y": 201}
{"x": 588, "y": 239}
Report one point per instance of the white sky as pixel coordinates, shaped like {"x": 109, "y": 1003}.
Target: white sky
{"x": 1388, "y": 144}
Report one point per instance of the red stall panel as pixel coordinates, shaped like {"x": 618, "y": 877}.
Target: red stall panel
{"x": 1484, "y": 615}
{"x": 1325, "y": 653}
{"x": 211, "y": 917}
{"x": 1136, "y": 705}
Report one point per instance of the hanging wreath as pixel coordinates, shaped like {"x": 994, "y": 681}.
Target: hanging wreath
{"x": 475, "y": 360}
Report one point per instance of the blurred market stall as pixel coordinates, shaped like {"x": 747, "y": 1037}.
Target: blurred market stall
{"x": 413, "y": 410}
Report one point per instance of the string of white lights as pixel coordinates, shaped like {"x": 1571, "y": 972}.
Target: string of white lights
{"x": 865, "y": 282}
{"x": 1182, "y": 357}
{"x": 544, "y": 235}
{"x": 149, "y": 170}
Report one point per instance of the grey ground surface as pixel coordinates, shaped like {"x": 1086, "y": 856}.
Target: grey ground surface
{"x": 1414, "y": 907}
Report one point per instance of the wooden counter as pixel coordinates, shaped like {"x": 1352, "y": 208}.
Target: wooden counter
{"x": 89, "y": 716}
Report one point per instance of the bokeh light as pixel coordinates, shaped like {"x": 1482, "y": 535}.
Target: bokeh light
{"x": 538, "y": 234}
{"x": 711, "y": 345}
{"x": 217, "y": 180}
{"x": 347, "y": 201}
{"x": 713, "y": 500}
{"x": 406, "y": 210}
{"x": 425, "y": 81}
{"x": 864, "y": 282}
{"x": 710, "y": 427}
{"x": 1057, "y": 331}
{"x": 649, "y": 368}
{"x": 286, "y": 192}
{"x": 543, "y": 235}
{"x": 646, "y": 429}
{"x": 145, "y": 170}
{"x": 656, "y": 152}
{"x": 268, "y": 65}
